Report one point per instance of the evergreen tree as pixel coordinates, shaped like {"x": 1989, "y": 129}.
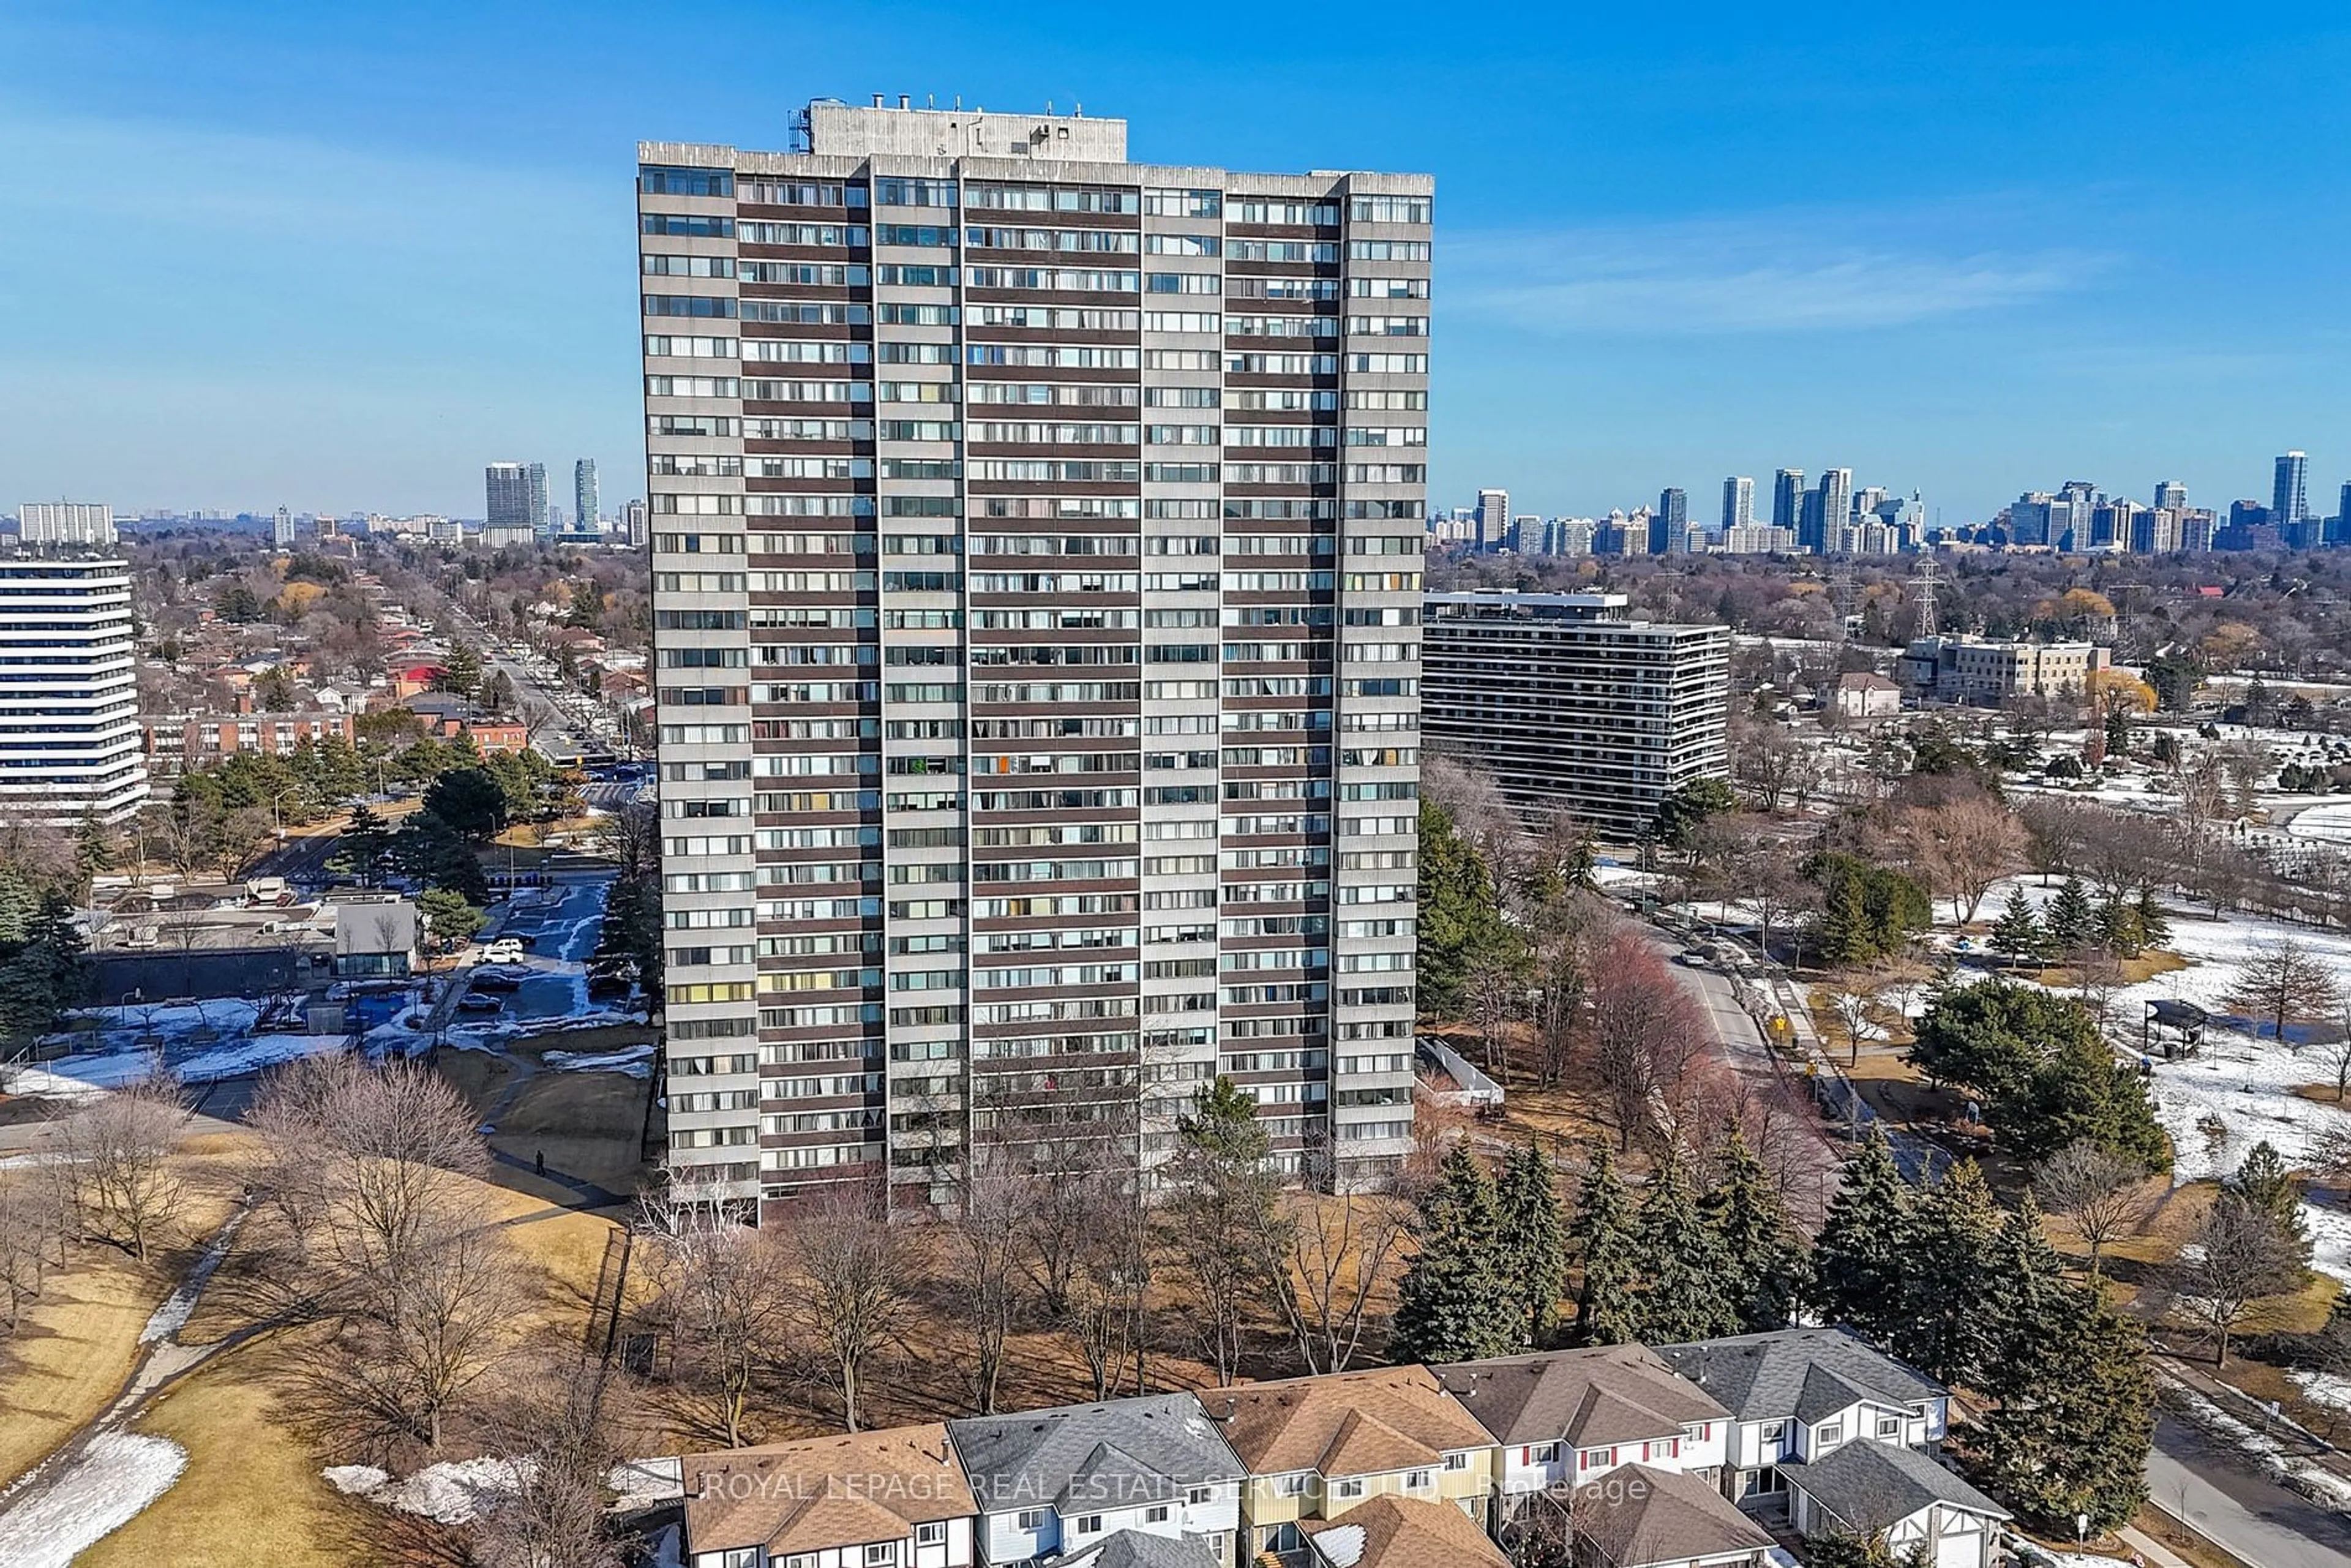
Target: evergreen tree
{"x": 1684, "y": 1267}
{"x": 93, "y": 847}
{"x": 1600, "y": 1241}
{"x": 2118, "y": 732}
{"x": 2263, "y": 1182}
{"x": 1766, "y": 1259}
{"x": 1956, "y": 1231}
{"x": 1847, "y": 935}
{"x": 361, "y": 850}
{"x": 2119, "y": 927}
{"x": 1454, "y": 1304}
{"x": 2069, "y": 920}
{"x": 1839, "y": 1550}
{"x": 2017, "y": 932}
{"x": 2081, "y": 1091}
{"x": 1534, "y": 1231}
{"x": 1862, "y": 1260}
{"x": 2154, "y": 930}
{"x": 1461, "y": 926}
{"x": 2074, "y": 1414}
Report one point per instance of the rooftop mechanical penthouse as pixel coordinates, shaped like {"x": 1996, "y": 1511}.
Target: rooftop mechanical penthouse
{"x": 1037, "y": 574}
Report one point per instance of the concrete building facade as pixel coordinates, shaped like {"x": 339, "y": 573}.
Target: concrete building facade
{"x": 1572, "y": 706}
{"x": 70, "y": 744}
{"x": 1037, "y": 548}
{"x": 1970, "y": 669}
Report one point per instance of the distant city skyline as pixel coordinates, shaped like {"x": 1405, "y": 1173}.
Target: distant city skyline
{"x": 362, "y": 308}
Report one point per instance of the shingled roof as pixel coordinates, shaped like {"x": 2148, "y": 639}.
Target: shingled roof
{"x": 1391, "y": 1531}
{"x": 1344, "y": 1424}
{"x": 1642, "y": 1517}
{"x": 1139, "y": 1549}
{"x": 1870, "y": 1486}
{"x": 1120, "y": 1454}
{"x": 1806, "y": 1374}
{"x": 1606, "y": 1395}
{"x": 824, "y": 1491}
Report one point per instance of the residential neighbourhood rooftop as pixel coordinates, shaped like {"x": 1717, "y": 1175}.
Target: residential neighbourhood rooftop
{"x": 1609, "y": 1394}
{"x": 1804, "y": 1373}
{"x": 1121, "y": 1453}
{"x": 824, "y": 1493}
{"x": 1645, "y": 1516}
{"x": 1872, "y": 1487}
{"x": 1345, "y": 1424}
{"x": 1402, "y": 1532}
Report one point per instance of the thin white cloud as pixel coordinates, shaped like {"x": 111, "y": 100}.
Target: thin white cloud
{"x": 1784, "y": 274}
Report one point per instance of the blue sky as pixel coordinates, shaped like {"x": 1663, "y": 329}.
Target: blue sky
{"x": 339, "y": 256}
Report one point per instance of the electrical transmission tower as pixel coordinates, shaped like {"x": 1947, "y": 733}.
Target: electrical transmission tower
{"x": 1922, "y": 597}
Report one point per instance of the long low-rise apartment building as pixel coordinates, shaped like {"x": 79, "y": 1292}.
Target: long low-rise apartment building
{"x": 1574, "y": 705}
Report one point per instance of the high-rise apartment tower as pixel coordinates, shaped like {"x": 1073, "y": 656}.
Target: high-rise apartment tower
{"x": 1738, "y": 502}
{"x": 1788, "y": 498}
{"x": 1493, "y": 520}
{"x": 1036, "y": 571}
{"x": 585, "y": 506}
{"x": 2290, "y": 494}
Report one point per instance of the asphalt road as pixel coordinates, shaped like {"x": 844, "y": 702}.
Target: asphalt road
{"x": 2226, "y": 1497}
{"x": 1746, "y": 1053}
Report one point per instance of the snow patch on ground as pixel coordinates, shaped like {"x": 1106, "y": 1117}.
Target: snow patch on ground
{"x": 2323, "y": 1388}
{"x": 457, "y": 1491}
{"x": 68, "y": 1076}
{"x": 636, "y": 1060}
{"x": 105, "y": 1486}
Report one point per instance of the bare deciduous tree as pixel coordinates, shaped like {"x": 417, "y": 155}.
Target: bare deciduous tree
{"x": 2102, "y": 1193}
{"x": 2240, "y": 1257}
{"x": 121, "y": 1146}
{"x": 988, "y": 1235}
{"x": 850, "y": 1275}
{"x": 1645, "y": 1035}
{"x": 1962, "y": 846}
{"x": 2284, "y": 982}
{"x": 34, "y": 1219}
{"x": 1850, "y": 997}
{"x": 720, "y": 1289}
{"x": 1329, "y": 1257}
{"x": 557, "y": 1434}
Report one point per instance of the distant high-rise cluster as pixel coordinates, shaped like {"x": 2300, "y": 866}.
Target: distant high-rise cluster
{"x": 1835, "y": 517}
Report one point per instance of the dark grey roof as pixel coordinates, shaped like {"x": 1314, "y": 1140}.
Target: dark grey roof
{"x": 1801, "y": 1372}
{"x": 1136, "y": 1549}
{"x": 1872, "y": 1486}
{"x": 1124, "y": 1453}
{"x": 1607, "y": 1393}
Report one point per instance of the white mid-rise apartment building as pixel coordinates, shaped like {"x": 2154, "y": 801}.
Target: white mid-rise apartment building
{"x": 1037, "y": 554}
{"x": 72, "y": 523}
{"x": 69, "y": 736}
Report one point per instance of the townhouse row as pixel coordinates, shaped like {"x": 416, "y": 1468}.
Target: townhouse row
{"x": 1707, "y": 1455}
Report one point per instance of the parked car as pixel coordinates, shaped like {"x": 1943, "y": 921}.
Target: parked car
{"x": 504, "y": 950}
{"x": 478, "y": 1003}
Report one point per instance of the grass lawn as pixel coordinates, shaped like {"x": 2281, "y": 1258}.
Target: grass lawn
{"x": 589, "y": 1125}
{"x": 251, "y": 1493}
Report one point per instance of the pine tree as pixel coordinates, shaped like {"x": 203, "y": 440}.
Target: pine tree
{"x": 1956, "y": 1232}
{"x": 1862, "y": 1260}
{"x": 2069, "y": 919}
{"x": 2074, "y": 1414}
{"x": 1534, "y": 1231}
{"x": 2119, "y": 927}
{"x": 2017, "y": 932}
{"x": 1767, "y": 1260}
{"x": 1684, "y": 1267}
{"x": 2263, "y": 1182}
{"x": 2154, "y": 930}
{"x": 1600, "y": 1242}
{"x": 1848, "y": 934}
{"x": 1453, "y": 1303}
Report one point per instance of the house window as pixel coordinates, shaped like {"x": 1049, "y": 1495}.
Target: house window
{"x": 1199, "y": 1495}
{"x": 1705, "y": 1432}
{"x": 1351, "y": 1488}
{"x": 1540, "y": 1453}
{"x": 742, "y": 1557}
{"x": 1156, "y": 1514}
{"x": 1831, "y": 1433}
{"x": 879, "y": 1552}
{"x": 1890, "y": 1426}
{"x": 1773, "y": 1432}
{"x": 1461, "y": 1461}
{"x": 931, "y": 1534}
{"x": 1090, "y": 1524}
{"x": 1415, "y": 1481}
{"x": 1029, "y": 1519}
{"x": 1289, "y": 1485}
{"x": 1765, "y": 1482}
